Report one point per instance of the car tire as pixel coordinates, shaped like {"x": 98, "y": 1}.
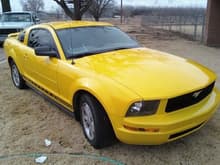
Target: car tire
{"x": 16, "y": 77}
{"x": 95, "y": 122}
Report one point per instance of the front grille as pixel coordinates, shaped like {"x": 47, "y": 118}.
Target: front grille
{"x": 184, "y": 132}
{"x": 8, "y": 31}
{"x": 186, "y": 100}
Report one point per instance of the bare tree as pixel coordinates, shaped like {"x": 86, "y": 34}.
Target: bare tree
{"x": 32, "y": 5}
{"x": 6, "y": 5}
{"x": 98, "y": 7}
{"x": 80, "y": 7}
{"x": 128, "y": 11}
{"x": 58, "y": 13}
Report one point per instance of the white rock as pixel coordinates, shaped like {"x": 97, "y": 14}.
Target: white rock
{"x": 41, "y": 159}
{"x": 47, "y": 142}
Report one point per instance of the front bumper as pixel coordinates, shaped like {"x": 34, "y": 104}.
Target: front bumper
{"x": 165, "y": 127}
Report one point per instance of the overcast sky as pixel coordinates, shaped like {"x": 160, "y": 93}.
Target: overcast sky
{"x": 51, "y": 5}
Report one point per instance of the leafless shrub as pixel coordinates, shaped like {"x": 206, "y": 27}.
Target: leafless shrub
{"x": 32, "y": 5}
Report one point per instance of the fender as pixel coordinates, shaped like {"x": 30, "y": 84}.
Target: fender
{"x": 12, "y": 53}
{"x": 100, "y": 88}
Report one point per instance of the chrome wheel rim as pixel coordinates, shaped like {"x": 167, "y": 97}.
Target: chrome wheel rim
{"x": 88, "y": 121}
{"x": 15, "y": 75}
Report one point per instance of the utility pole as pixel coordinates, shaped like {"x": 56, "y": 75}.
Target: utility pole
{"x": 121, "y": 11}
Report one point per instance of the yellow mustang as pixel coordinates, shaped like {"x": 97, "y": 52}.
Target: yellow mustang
{"x": 112, "y": 85}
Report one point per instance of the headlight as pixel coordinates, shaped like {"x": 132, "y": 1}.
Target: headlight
{"x": 143, "y": 108}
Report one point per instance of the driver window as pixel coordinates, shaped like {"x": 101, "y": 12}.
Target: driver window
{"x": 41, "y": 37}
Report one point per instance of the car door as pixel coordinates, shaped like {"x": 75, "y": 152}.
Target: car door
{"x": 41, "y": 70}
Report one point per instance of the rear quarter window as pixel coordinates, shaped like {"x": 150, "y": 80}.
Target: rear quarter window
{"x": 21, "y": 36}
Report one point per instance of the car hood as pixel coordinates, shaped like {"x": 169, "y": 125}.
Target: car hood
{"x": 151, "y": 74}
{"x": 14, "y": 25}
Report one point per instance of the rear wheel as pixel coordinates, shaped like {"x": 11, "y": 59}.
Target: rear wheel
{"x": 17, "y": 79}
{"x": 95, "y": 122}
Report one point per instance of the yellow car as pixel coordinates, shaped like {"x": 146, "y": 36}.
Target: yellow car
{"x": 112, "y": 85}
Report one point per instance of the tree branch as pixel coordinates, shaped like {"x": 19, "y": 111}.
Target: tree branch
{"x": 65, "y": 8}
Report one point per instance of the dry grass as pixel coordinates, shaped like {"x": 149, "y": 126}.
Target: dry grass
{"x": 185, "y": 29}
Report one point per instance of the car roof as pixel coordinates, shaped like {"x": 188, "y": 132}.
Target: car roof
{"x": 75, "y": 24}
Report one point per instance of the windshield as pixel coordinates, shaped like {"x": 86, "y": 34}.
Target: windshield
{"x": 84, "y": 41}
{"x": 16, "y": 17}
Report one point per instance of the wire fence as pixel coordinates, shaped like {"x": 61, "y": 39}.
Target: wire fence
{"x": 191, "y": 26}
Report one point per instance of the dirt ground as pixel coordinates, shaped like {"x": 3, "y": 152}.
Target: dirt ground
{"x": 2, "y": 56}
{"x": 26, "y": 119}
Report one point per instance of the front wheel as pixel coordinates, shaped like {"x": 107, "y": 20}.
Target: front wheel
{"x": 17, "y": 79}
{"x": 95, "y": 122}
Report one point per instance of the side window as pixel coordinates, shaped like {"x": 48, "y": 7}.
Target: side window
{"x": 21, "y": 36}
{"x": 41, "y": 37}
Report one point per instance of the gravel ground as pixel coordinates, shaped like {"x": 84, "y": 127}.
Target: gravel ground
{"x": 26, "y": 119}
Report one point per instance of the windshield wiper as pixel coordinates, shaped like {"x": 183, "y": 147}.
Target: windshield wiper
{"x": 80, "y": 55}
{"x": 121, "y": 48}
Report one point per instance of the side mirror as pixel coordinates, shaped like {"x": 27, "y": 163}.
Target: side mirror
{"x": 45, "y": 51}
{"x": 36, "y": 20}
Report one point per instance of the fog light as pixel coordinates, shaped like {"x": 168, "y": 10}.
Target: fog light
{"x": 142, "y": 129}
